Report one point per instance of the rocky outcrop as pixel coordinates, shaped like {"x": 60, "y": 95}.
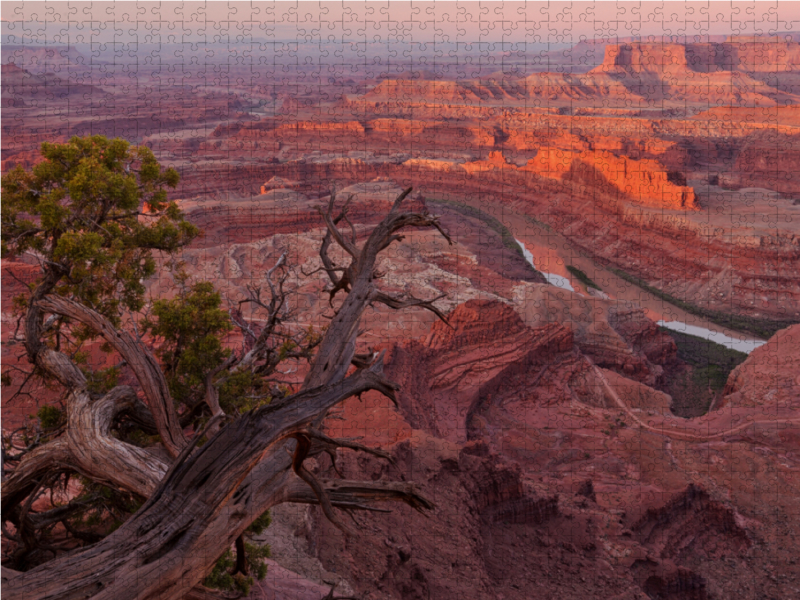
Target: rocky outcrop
{"x": 446, "y": 379}
{"x": 691, "y": 528}
{"x": 643, "y": 181}
{"x": 614, "y": 336}
{"x": 642, "y": 334}
{"x": 670, "y": 530}
{"x": 696, "y": 73}
{"x": 534, "y": 503}
{"x": 769, "y": 378}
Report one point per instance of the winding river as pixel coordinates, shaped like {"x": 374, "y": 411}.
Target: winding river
{"x": 742, "y": 342}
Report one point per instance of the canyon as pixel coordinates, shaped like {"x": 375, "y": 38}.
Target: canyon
{"x": 657, "y": 179}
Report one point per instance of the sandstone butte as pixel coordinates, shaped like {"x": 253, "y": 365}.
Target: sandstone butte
{"x": 643, "y": 181}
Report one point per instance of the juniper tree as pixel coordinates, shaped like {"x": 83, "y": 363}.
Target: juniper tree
{"x": 91, "y": 215}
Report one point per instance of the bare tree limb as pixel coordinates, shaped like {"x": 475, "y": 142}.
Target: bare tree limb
{"x": 301, "y": 452}
{"x": 50, "y": 457}
{"x": 409, "y": 301}
{"x": 276, "y": 303}
{"x": 358, "y": 494}
{"x": 338, "y": 346}
{"x": 141, "y": 361}
{"x": 333, "y": 443}
{"x": 346, "y": 244}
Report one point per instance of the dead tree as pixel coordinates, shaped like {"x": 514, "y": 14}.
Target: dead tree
{"x": 200, "y": 499}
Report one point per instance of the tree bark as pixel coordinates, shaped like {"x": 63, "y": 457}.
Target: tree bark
{"x": 201, "y": 504}
{"x": 139, "y": 359}
{"x": 104, "y": 458}
{"x": 339, "y": 345}
{"x": 89, "y": 448}
{"x": 167, "y": 547}
{"x": 49, "y": 458}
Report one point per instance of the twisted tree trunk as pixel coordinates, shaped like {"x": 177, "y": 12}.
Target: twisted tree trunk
{"x": 201, "y": 501}
{"x": 140, "y": 360}
{"x": 167, "y": 547}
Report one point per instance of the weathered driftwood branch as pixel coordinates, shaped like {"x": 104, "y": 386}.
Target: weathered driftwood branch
{"x": 398, "y": 303}
{"x": 89, "y": 448}
{"x": 51, "y": 457}
{"x": 329, "y": 445}
{"x": 356, "y": 494}
{"x": 339, "y": 344}
{"x": 138, "y": 357}
{"x": 164, "y": 547}
{"x": 104, "y": 458}
{"x": 300, "y": 454}
{"x": 205, "y": 500}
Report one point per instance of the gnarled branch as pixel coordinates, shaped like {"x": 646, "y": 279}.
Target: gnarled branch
{"x": 47, "y": 458}
{"x": 337, "y": 348}
{"x": 349, "y": 246}
{"x": 358, "y": 495}
{"x": 104, "y": 458}
{"x": 409, "y": 301}
{"x": 141, "y": 361}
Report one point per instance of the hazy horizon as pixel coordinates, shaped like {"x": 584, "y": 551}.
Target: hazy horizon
{"x": 419, "y": 23}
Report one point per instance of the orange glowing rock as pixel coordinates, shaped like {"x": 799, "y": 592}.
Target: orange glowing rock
{"x": 643, "y": 181}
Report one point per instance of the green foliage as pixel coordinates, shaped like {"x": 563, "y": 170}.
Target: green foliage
{"x": 256, "y": 555}
{"x": 101, "y": 380}
{"x": 220, "y": 577}
{"x": 80, "y": 210}
{"x": 243, "y": 391}
{"x": 711, "y": 363}
{"x": 582, "y": 277}
{"x": 243, "y": 583}
{"x": 258, "y": 526}
{"x": 192, "y": 326}
{"x": 223, "y": 578}
{"x": 50, "y": 417}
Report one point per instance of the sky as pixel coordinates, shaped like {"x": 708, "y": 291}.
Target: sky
{"x": 78, "y": 23}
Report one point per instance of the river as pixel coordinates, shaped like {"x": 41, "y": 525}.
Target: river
{"x": 740, "y": 342}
